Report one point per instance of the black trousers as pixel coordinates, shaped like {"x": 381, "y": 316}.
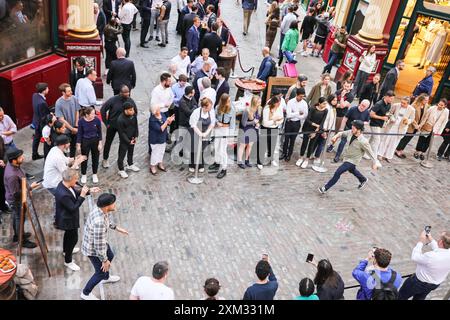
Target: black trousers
{"x": 423, "y": 143}
{"x": 404, "y": 142}
{"x": 36, "y": 140}
{"x": 126, "y": 38}
{"x": 110, "y": 48}
{"x": 291, "y": 129}
{"x": 110, "y": 135}
{"x": 268, "y": 142}
{"x": 144, "y": 30}
{"x": 69, "y": 242}
{"x": 73, "y": 145}
{"x": 444, "y": 149}
{"x": 413, "y": 287}
{"x": 125, "y": 149}
{"x": 134, "y": 21}
{"x": 47, "y": 149}
{"x": 194, "y": 150}
{"x": 90, "y": 147}
{"x": 179, "y": 21}
{"x": 308, "y": 145}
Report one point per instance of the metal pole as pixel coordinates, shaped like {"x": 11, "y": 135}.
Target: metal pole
{"x": 195, "y": 179}
{"x": 427, "y": 163}
{"x": 321, "y": 167}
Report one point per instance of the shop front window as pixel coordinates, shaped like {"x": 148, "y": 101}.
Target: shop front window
{"x": 24, "y": 30}
{"x": 438, "y": 5}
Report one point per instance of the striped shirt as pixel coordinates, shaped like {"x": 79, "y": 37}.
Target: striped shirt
{"x": 95, "y": 234}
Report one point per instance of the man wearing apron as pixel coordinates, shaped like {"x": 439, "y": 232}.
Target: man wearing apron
{"x": 202, "y": 122}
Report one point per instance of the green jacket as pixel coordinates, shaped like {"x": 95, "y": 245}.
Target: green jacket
{"x": 290, "y": 41}
{"x": 354, "y": 152}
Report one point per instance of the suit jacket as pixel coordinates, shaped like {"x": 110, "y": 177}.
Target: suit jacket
{"x": 214, "y": 43}
{"x": 107, "y": 9}
{"x": 40, "y": 110}
{"x": 224, "y": 88}
{"x": 389, "y": 82}
{"x": 224, "y": 34}
{"x": 188, "y": 22}
{"x": 193, "y": 39}
{"x": 417, "y": 114}
{"x": 67, "y": 208}
{"x": 201, "y": 10}
{"x": 146, "y": 9}
{"x": 211, "y": 20}
{"x": 75, "y": 76}
{"x": 409, "y": 115}
{"x": 200, "y": 74}
{"x": 439, "y": 124}
{"x": 101, "y": 22}
{"x": 122, "y": 72}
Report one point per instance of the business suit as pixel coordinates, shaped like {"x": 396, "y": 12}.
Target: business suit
{"x": 199, "y": 75}
{"x": 193, "y": 42}
{"x": 40, "y": 112}
{"x": 213, "y": 42}
{"x": 188, "y": 22}
{"x": 224, "y": 88}
{"x": 101, "y": 23}
{"x": 224, "y": 34}
{"x": 122, "y": 72}
{"x": 389, "y": 82}
{"x": 107, "y": 9}
{"x": 75, "y": 76}
{"x": 146, "y": 13}
{"x": 68, "y": 217}
{"x": 201, "y": 10}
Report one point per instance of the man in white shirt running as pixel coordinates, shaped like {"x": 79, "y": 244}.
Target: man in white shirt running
{"x": 154, "y": 288}
{"x": 432, "y": 269}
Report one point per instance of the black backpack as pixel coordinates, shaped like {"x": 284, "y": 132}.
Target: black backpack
{"x": 274, "y": 70}
{"x": 384, "y": 291}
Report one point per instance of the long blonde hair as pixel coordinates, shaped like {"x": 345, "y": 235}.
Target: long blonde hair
{"x": 224, "y": 104}
{"x": 420, "y": 100}
{"x": 254, "y": 105}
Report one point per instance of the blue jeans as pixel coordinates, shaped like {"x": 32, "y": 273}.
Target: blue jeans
{"x": 331, "y": 62}
{"x": 320, "y": 144}
{"x": 346, "y": 166}
{"x": 340, "y": 148}
{"x": 10, "y": 145}
{"x": 99, "y": 275}
{"x": 415, "y": 288}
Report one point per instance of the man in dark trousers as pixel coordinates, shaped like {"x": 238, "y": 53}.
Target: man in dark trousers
{"x": 391, "y": 79}
{"x": 188, "y": 22}
{"x": 111, "y": 8}
{"x": 213, "y": 42}
{"x": 40, "y": 112}
{"x": 13, "y": 192}
{"x": 182, "y": 12}
{"x": 122, "y": 72}
{"x": 222, "y": 84}
{"x": 193, "y": 39}
{"x": 222, "y": 31}
{"x": 79, "y": 72}
{"x": 128, "y": 129}
{"x": 110, "y": 111}
{"x": 146, "y": 13}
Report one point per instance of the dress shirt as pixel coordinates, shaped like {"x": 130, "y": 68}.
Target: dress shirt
{"x": 294, "y": 108}
{"x": 198, "y": 63}
{"x": 178, "y": 92}
{"x": 85, "y": 93}
{"x": 55, "y": 164}
{"x": 127, "y": 12}
{"x": 182, "y": 65}
{"x": 7, "y": 125}
{"x": 433, "y": 266}
{"x": 197, "y": 113}
{"x": 209, "y": 93}
{"x": 162, "y": 96}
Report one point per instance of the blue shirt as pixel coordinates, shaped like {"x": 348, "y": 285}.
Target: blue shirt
{"x": 89, "y": 130}
{"x": 424, "y": 86}
{"x": 178, "y": 92}
{"x": 354, "y": 114}
{"x": 265, "y": 69}
{"x": 368, "y": 282}
{"x": 265, "y": 291}
{"x": 85, "y": 93}
{"x": 156, "y": 136}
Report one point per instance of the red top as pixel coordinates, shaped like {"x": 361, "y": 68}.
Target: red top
{"x": 6, "y": 277}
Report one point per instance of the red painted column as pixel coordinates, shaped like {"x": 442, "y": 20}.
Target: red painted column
{"x": 391, "y": 19}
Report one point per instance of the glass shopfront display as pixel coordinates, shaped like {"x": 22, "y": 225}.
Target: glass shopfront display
{"x": 25, "y": 31}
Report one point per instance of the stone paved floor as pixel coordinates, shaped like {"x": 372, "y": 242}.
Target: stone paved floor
{"x": 221, "y": 228}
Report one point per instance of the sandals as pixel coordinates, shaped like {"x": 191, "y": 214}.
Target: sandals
{"x": 162, "y": 168}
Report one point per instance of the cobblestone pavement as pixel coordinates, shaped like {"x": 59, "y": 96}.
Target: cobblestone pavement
{"x": 221, "y": 228}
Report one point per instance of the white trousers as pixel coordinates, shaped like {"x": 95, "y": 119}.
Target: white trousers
{"x": 220, "y": 147}
{"x": 158, "y": 151}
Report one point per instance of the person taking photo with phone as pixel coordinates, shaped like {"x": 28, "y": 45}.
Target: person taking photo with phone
{"x": 267, "y": 285}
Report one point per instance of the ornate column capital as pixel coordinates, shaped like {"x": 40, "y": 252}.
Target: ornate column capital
{"x": 80, "y": 23}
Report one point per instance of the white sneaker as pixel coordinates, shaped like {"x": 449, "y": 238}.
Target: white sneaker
{"x": 111, "y": 279}
{"x": 299, "y": 162}
{"x": 274, "y": 163}
{"x": 304, "y": 164}
{"x": 192, "y": 170}
{"x": 201, "y": 170}
{"x": 83, "y": 179}
{"x": 75, "y": 250}
{"x": 95, "y": 178}
{"x": 105, "y": 164}
{"x": 317, "y": 161}
{"x": 123, "y": 174}
{"x": 260, "y": 166}
{"x": 72, "y": 266}
{"x": 132, "y": 168}
{"x": 91, "y": 296}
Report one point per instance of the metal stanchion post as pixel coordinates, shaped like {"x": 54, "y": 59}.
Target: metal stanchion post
{"x": 196, "y": 179}
{"x": 321, "y": 167}
{"x": 427, "y": 163}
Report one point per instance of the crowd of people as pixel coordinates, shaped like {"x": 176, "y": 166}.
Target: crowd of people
{"x": 192, "y": 115}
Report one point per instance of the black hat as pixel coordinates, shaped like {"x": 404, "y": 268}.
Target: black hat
{"x": 62, "y": 140}
{"x": 105, "y": 200}
{"x": 358, "y": 124}
{"x": 13, "y": 153}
